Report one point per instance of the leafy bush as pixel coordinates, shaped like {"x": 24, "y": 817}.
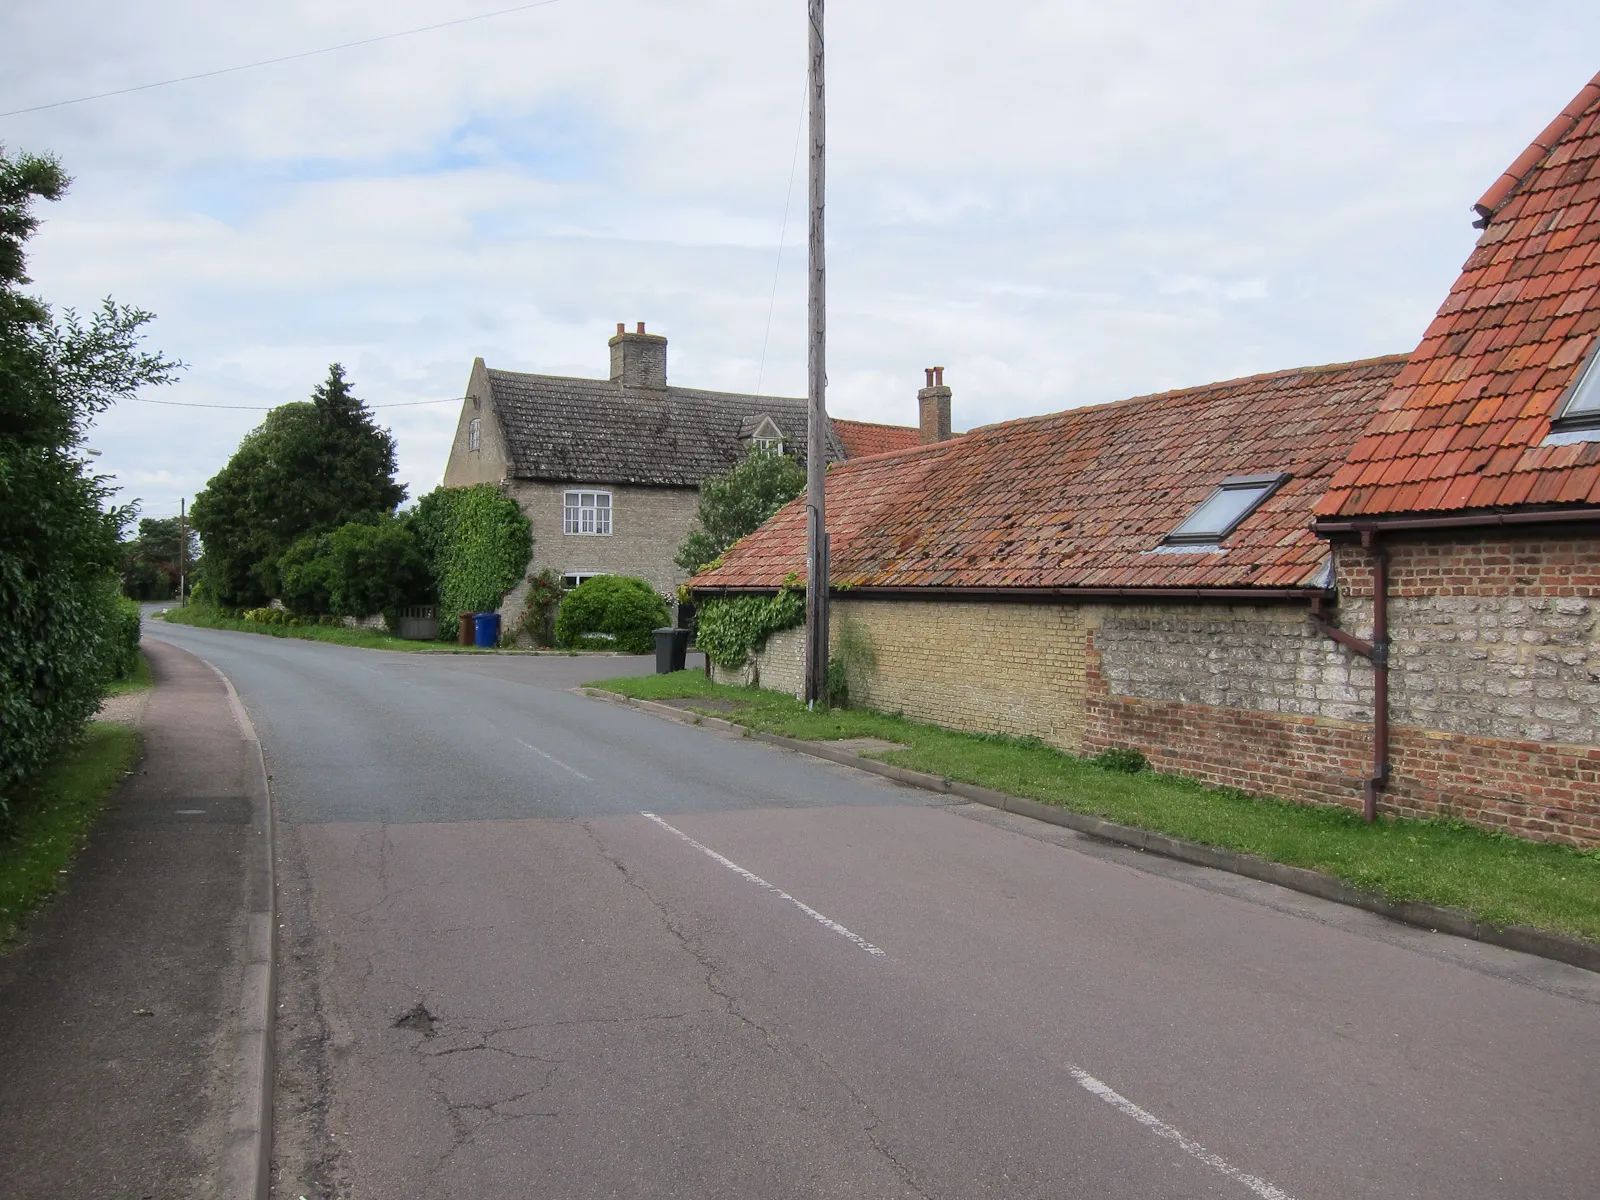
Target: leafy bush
{"x": 731, "y": 628}
{"x": 359, "y": 569}
{"x": 123, "y": 645}
{"x": 477, "y": 545}
{"x": 539, "y": 607}
{"x": 59, "y": 534}
{"x": 611, "y": 612}
{"x": 305, "y": 577}
{"x": 1121, "y": 758}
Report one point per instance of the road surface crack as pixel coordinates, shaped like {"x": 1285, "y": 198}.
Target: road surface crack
{"x": 688, "y": 943}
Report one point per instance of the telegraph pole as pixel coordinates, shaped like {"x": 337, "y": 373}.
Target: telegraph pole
{"x": 817, "y": 383}
{"x": 183, "y": 543}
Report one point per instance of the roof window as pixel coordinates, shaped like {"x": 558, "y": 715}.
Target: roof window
{"x": 1582, "y": 409}
{"x": 1220, "y": 513}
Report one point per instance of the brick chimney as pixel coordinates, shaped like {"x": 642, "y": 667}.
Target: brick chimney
{"x": 638, "y": 360}
{"x": 933, "y": 408}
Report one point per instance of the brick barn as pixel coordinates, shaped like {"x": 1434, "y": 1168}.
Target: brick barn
{"x": 1373, "y": 584}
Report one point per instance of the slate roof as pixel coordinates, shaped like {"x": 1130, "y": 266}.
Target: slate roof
{"x": 1462, "y": 429}
{"x": 1084, "y": 498}
{"x": 861, "y": 438}
{"x": 596, "y": 431}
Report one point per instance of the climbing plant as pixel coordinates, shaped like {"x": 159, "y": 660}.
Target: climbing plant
{"x": 732, "y": 627}
{"x": 477, "y": 544}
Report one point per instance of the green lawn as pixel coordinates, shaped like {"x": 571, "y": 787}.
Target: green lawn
{"x": 50, "y": 818}
{"x": 1499, "y": 879}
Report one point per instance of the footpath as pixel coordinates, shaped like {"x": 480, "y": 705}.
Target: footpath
{"x": 135, "y": 1016}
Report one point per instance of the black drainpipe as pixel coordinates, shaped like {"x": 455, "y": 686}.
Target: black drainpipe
{"x": 1377, "y": 653}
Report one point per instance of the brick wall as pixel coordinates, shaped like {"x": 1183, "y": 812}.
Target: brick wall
{"x": 1495, "y": 684}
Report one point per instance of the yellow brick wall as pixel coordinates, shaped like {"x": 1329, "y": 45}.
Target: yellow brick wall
{"x": 990, "y": 668}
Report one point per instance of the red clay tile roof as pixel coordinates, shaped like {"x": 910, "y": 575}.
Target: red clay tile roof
{"x": 1462, "y": 427}
{"x": 1083, "y": 498}
{"x": 861, "y": 438}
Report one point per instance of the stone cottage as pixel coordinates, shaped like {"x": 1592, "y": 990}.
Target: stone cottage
{"x": 608, "y": 470}
{"x": 1371, "y": 584}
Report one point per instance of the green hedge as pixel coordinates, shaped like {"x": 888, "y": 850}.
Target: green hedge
{"x": 611, "y": 612}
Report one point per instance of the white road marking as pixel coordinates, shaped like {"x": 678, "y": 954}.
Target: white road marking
{"x": 1154, "y": 1123}
{"x": 829, "y": 922}
{"x": 553, "y": 759}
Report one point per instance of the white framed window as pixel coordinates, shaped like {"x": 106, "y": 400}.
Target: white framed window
{"x": 773, "y": 445}
{"x": 586, "y": 513}
{"x": 573, "y": 578}
{"x": 474, "y": 431}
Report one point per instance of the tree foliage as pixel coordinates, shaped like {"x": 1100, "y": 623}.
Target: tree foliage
{"x": 477, "y": 543}
{"x": 150, "y": 559}
{"x": 309, "y": 468}
{"x": 61, "y": 632}
{"x": 611, "y": 612}
{"x": 737, "y": 502}
{"x": 355, "y": 571}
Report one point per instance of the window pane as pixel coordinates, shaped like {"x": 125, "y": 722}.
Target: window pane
{"x": 1586, "y": 400}
{"x": 1221, "y": 510}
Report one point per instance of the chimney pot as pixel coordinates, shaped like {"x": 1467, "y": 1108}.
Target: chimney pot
{"x": 638, "y": 360}
{"x": 933, "y": 408}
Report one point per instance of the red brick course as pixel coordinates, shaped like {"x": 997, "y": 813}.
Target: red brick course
{"x": 1471, "y": 565}
{"x": 1537, "y": 791}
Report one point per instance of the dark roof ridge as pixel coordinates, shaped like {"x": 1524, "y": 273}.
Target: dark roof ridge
{"x": 1513, "y": 177}
{"x": 874, "y": 424}
{"x": 1195, "y": 390}
{"x": 611, "y": 383}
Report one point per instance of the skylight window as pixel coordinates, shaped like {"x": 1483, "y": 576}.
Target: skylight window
{"x": 1221, "y": 512}
{"x": 1582, "y": 409}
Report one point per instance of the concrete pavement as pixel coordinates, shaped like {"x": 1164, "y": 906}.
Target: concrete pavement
{"x": 503, "y": 979}
{"x": 121, "y": 1009}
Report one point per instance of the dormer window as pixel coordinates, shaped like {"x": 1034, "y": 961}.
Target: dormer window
{"x": 1221, "y": 512}
{"x": 474, "y": 430}
{"x": 766, "y": 436}
{"x": 1582, "y": 408}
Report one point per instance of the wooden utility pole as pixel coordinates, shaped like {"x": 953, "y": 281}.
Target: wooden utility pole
{"x": 183, "y": 543}
{"x": 817, "y": 383}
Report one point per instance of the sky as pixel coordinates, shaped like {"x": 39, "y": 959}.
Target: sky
{"x": 1061, "y": 203}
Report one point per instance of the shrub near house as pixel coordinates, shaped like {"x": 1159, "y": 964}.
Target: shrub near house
{"x": 611, "y": 612}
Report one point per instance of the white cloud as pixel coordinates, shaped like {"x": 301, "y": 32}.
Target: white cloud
{"x": 1061, "y": 204}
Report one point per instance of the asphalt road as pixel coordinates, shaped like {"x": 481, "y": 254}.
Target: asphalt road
{"x": 539, "y": 945}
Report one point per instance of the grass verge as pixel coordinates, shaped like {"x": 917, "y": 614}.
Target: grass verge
{"x": 1499, "y": 879}
{"x": 141, "y": 679}
{"x": 51, "y": 817}
{"x": 366, "y": 639}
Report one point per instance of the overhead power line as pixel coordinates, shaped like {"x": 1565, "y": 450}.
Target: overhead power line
{"x": 270, "y": 407}
{"x": 267, "y": 62}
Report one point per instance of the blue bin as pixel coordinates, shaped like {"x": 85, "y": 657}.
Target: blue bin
{"x": 487, "y": 629}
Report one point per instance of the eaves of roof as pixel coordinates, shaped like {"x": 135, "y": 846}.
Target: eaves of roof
{"x": 1080, "y": 502}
